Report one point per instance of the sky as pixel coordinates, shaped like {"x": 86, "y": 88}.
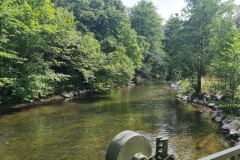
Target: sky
{"x": 165, "y": 7}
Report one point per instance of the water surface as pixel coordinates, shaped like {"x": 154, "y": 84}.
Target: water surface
{"x": 82, "y": 129}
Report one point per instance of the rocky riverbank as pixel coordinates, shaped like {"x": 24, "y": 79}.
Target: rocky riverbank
{"x": 66, "y": 95}
{"x": 229, "y": 124}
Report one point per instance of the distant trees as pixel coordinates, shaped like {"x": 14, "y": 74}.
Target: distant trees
{"x": 147, "y": 23}
{"x": 179, "y": 64}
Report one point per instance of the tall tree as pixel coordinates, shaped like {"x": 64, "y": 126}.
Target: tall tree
{"x": 199, "y": 18}
{"x": 148, "y": 23}
{"x": 173, "y": 46}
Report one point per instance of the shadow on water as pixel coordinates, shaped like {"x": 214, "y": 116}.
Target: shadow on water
{"x": 83, "y": 128}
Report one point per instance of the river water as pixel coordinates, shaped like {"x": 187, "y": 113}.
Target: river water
{"x": 83, "y": 128}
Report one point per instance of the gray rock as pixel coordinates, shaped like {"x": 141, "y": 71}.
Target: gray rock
{"x": 179, "y": 96}
{"x": 217, "y": 113}
{"x": 176, "y": 85}
{"x": 214, "y": 114}
{"x": 195, "y": 100}
{"x": 222, "y": 115}
{"x": 185, "y": 98}
{"x": 75, "y": 93}
{"x": 234, "y": 133}
{"x": 82, "y": 91}
{"x": 202, "y": 102}
{"x": 216, "y": 97}
{"x": 67, "y": 94}
{"x": 211, "y": 104}
{"x": 235, "y": 124}
{"x": 228, "y": 119}
{"x": 238, "y": 139}
{"x": 219, "y": 97}
{"x": 218, "y": 119}
{"x": 215, "y": 107}
{"x": 207, "y": 96}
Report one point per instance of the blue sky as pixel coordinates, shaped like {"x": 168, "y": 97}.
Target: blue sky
{"x": 165, "y": 7}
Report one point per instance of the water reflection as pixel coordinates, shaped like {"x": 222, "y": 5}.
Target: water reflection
{"x": 83, "y": 129}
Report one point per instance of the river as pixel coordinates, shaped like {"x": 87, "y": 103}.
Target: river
{"x": 83, "y": 128}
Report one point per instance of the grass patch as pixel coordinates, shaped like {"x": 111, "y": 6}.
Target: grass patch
{"x": 231, "y": 109}
{"x": 187, "y": 87}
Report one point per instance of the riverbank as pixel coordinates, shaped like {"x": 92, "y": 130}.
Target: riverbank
{"x": 229, "y": 124}
{"x": 10, "y": 108}
{"x": 6, "y": 109}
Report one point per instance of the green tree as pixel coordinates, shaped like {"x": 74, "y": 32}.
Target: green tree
{"x": 27, "y": 31}
{"x": 109, "y": 23}
{"x": 201, "y": 37}
{"x": 227, "y": 68}
{"x": 201, "y": 15}
{"x": 196, "y": 38}
{"x": 174, "y": 47}
{"x": 146, "y": 21}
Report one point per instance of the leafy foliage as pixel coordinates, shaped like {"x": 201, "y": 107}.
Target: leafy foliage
{"x": 146, "y": 21}
{"x": 227, "y": 68}
{"x": 194, "y": 39}
{"x": 47, "y": 48}
{"x": 121, "y": 48}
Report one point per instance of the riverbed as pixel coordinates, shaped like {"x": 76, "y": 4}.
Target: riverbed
{"x": 83, "y": 128}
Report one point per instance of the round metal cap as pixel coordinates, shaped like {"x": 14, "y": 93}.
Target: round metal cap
{"x": 126, "y": 144}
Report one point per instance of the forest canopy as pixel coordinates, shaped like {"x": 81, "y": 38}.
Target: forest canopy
{"x": 51, "y": 46}
{"x": 47, "y": 47}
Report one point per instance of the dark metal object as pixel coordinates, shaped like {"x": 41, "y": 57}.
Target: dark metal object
{"x": 161, "y": 148}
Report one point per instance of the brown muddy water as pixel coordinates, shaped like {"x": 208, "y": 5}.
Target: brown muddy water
{"x": 82, "y": 129}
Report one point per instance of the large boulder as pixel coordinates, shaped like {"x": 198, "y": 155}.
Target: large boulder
{"x": 217, "y": 113}
{"x": 235, "y": 124}
{"x": 228, "y": 119}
